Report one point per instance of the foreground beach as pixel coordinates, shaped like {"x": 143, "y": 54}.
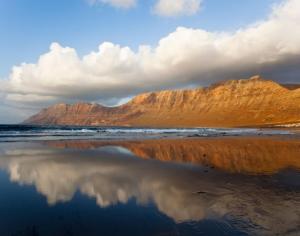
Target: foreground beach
{"x": 232, "y": 185}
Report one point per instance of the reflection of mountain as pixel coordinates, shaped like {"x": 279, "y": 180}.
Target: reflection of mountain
{"x": 237, "y": 155}
{"x": 112, "y": 175}
{"x": 233, "y": 103}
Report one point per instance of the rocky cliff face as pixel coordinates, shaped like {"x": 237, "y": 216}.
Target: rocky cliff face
{"x": 250, "y": 102}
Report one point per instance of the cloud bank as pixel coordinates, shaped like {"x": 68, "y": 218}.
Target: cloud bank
{"x": 170, "y": 8}
{"x": 185, "y": 57}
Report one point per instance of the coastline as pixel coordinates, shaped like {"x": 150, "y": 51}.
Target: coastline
{"x": 28, "y": 133}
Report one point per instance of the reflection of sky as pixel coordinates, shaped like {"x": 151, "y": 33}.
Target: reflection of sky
{"x": 182, "y": 192}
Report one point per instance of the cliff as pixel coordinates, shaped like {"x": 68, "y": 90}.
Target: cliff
{"x": 249, "y": 102}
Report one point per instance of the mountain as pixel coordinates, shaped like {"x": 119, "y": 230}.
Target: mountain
{"x": 233, "y": 103}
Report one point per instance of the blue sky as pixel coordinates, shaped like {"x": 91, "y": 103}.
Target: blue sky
{"x": 27, "y": 28}
{"x": 108, "y": 51}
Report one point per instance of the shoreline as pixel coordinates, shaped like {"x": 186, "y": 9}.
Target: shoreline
{"x": 293, "y": 125}
{"x": 145, "y": 137}
{"x": 159, "y": 137}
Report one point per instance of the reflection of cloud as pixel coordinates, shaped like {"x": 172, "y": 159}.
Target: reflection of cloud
{"x": 113, "y": 178}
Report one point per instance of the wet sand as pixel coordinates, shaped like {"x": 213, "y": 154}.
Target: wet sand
{"x": 186, "y": 186}
{"x": 247, "y": 155}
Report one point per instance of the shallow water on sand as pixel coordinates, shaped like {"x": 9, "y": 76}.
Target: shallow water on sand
{"x": 204, "y": 186}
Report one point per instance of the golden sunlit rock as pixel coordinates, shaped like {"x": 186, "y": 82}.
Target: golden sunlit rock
{"x": 252, "y": 102}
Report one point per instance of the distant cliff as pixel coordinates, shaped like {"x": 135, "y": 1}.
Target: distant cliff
{"x": 250, "y": 102}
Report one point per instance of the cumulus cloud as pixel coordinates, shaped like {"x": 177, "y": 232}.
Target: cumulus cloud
{"x": 115, "y": 3}
{"x": 177, "y": 7}
{"x": 183, "y": 58}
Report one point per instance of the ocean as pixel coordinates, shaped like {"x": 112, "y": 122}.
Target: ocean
{"x": 14, "y": 133}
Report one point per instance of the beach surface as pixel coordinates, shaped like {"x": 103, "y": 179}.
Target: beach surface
{"x": 239, "y": 182}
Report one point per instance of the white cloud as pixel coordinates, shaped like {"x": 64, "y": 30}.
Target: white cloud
{"x": 177, "y": 7}
{"x": 184, "y": 57}
{"x": 115, "y": 3}
{"x": 162, "y": 7}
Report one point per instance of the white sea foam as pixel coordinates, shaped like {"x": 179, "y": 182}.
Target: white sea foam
{"x": 23, "y": 133}
{"x": 294, "y": 125}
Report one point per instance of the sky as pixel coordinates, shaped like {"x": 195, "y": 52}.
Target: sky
{"x": 110, "y": 50}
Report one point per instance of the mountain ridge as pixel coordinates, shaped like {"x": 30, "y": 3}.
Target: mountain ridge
{"x": 232, "y": 103}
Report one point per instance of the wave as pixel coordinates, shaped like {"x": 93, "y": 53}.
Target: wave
{"x": 25, "y": 132}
